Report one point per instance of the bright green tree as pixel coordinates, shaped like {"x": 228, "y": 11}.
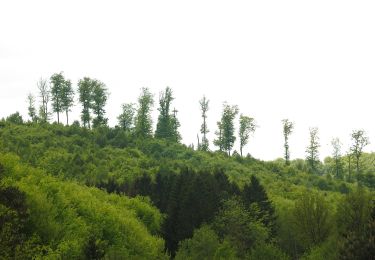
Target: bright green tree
{"x": 311, "y": 218}
{"x": 247, "y": 127}
{"x": 143, "y": 120}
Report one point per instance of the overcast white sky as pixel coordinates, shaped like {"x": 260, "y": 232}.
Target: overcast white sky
{"x": 310, "y": 61}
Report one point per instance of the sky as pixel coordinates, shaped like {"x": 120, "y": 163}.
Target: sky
{"x": 312, "y": 62}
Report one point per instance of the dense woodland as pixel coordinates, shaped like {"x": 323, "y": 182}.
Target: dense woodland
{"x": 84, "y": 190}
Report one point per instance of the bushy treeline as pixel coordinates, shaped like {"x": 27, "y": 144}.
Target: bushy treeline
{"x": 210, "y": 205}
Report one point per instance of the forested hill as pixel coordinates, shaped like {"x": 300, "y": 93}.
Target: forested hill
{"x": 76, "y": 193}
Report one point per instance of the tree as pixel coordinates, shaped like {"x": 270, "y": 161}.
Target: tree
{"x": 67, "y": 98}
{"x": 167, "y": 126}
{"x": 175, "y": 124}
{"x": 255, "y": 193}
{"x": 31, "y": 107}
{"x": 226, "y": 138}
{"x": 143, "y": 123}
{"x": 287, "y": 130}
{"x": 247, "y": 126}
{"x": 356, "y": 225}
{"x": 85, "y": 97}
{"x": 204, "y": 130}
{"x": 336, "y": 154}
{"x": 99, "y": 100}
{"x": 219, "y": 141}
{"x": 44, "y": 94}
{"x": 312, "y": 156}
{"x": 360, "y": 140}
{"x": 126, "y": 118}
{"x": 57, "y": 86}
{"x": 311, "y": 218}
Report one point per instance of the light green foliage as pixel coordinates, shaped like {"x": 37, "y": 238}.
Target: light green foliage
{"x": 226, "y": 137}
{"x": 311, "y": 218}
{"x": 143, "y": 121}
{"x": 205, "y": 245}
{"x": 247, "y": 127}
{"x": 267, "y": 252}
{"x": 69, "y": 216}
{"x": 126, "y": 118}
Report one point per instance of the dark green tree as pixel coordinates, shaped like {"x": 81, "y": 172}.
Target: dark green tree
{"x": 247, "y": 127}
{"x": 226, "y": 137}
{"x": 143, "y": 120}
{"x": 312, "y": 151}
{"x": 57, "y": 86}
{"x": 85, "y": 97}
{"x": 126, "y": 118}
{"x": 287, "y": 130}
{"x": 254, "y": 192}
{"x": 204, "y": 129}
{"x": 99, "y": 100}
{"x": 67, "y": 98}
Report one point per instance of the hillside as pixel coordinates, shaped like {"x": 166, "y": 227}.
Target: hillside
{"x": 80, "y": 193}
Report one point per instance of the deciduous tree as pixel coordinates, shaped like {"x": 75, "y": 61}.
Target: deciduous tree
{"x": 247, "y": 127}
{"x": 287, "y": 130}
